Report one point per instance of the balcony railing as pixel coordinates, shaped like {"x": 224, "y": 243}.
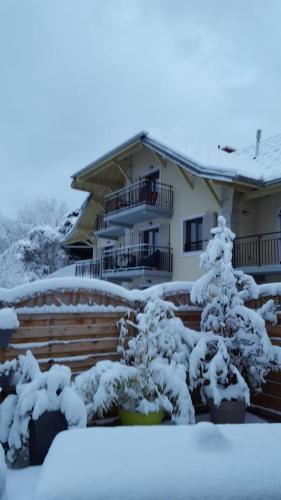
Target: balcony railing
{"x": 101, "y": 223}
{"x": 257, "y": 250}
{"x": 89, "y": 267}
{"x": 138, "y": 257}
{"x": 144, "y": 191}
{"x": 127, "y": 259}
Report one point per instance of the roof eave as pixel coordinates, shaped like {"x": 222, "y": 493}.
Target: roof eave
{"x": 111, "y": 154}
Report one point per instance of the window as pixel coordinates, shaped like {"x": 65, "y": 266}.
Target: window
{"x": 193, "y": 235}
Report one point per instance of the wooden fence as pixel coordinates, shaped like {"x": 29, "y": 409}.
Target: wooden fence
{"x": 80, "y": 339}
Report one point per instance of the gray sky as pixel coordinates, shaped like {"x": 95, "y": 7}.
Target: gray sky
{"x": 80, "y": 76}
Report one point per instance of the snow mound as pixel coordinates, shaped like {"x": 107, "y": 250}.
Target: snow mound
{"x": 162, "y": 463}
{"x": 209, "y": 437}
{"x": 8, "y": 319}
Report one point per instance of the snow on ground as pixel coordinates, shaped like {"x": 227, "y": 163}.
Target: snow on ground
{"x": 163, "y": 463}
{"x": 21, "y": 483}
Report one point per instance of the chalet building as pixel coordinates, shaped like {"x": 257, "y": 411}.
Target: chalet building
{"x": 151, "y": 205}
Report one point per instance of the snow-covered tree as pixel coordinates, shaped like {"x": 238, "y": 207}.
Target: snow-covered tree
{"x": 31, "y": 243}
{"x": 42, "y": 253}
{"x": 152, "y": 373}
{"x": 235, "y": 350}
{"x": 41, "y": 212}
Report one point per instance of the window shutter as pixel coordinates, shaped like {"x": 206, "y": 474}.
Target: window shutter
{"x": 209, "y": 221}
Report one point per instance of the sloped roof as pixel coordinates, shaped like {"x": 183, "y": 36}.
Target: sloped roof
{"x": 85, "y": 223}
{"x": 206, "y": 161}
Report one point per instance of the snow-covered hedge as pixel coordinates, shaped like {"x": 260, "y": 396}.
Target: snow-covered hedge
{"x": 36, "y": 393}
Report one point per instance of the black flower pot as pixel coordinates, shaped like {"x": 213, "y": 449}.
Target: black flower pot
{"x": 5, "y": 381}
{"x": 228, "y": 412}
{"x": 5, "y": 337}
{"x": 41, "y": 434}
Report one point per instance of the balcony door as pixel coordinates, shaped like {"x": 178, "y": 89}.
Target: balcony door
{"x": 149, "y": 187}
{"x": 149, "y": 251}
{"x": 150, "y": 237}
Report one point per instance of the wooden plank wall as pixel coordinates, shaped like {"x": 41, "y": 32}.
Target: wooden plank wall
{"x": 76, "y": 340}
{"x": 79, "y": 340}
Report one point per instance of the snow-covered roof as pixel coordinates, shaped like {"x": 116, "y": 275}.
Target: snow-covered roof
{"x": 207, "y": 161}
{"x": 214, "y": 161}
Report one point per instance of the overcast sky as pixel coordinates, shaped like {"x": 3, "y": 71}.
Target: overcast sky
{"x": 80, "y": 76}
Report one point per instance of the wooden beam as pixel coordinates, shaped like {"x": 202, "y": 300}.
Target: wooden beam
{"x": 212, "y": 190}
{"x": 128, "y": 179}
{"x": 186, "y": 177}
{"x": 161, "y": 159}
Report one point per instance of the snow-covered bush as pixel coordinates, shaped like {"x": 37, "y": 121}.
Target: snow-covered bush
{"x": 36, "y": 393}
{"x": 234, "y": 350}
{"x": 3, "y": 475}
{"x": 8, "y": 319}
{"x": 152, "y": 373}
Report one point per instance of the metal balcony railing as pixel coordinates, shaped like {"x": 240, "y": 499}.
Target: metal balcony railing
{"x": 257, "y": 250}
{"x": 138, "y": 257}
{"x": 88, "y": 268}
{"x": 101, "y": 223}
{"x": 144, "y": 191}
{"x": 126, "y": 259}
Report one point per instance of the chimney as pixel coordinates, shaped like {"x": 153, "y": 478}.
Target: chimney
{"x": 258, "y": 140}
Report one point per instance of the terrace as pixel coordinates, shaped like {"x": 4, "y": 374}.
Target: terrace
{"x": 129, "y": 262}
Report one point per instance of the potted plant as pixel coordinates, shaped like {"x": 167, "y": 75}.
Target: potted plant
{"x": 151, "y": 378}
{"x": 234, "y": 352}
{"x": 8, "y": 324}
{"x": 44, "y": 404}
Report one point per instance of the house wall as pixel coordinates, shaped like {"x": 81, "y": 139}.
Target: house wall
{"x": 244, "y": 217}
{"x": 144, "y": 161}
{"x": 187, "y": 203}
{"x": 260, "y": 215}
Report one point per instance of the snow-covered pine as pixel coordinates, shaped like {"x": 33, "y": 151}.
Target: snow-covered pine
{"x": 235, "y": 349}
{"x": 36, "y": 393}
{"x": 152, "y": 373}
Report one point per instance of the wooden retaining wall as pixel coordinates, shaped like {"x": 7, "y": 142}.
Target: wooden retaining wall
{"x": 79, "y": 340}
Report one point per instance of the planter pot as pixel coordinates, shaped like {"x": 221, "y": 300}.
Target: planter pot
{"x": 5, "y": 381}
{"x": 135, "y": 418}
{"x": 41, "y": 434}
{"x": 5, "y": 337}
{"x": 229, "y": 412}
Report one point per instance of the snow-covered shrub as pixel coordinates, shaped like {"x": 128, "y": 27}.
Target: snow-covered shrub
{"x": 3, "y": 475}
{"x": 235, "y": 350}
{"x": 8, "y": 319}
{"x": 152, "y": 373}
{"x": 36, "y": 393}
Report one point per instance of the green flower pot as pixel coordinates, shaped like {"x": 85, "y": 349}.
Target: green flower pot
{"x": 135, "y": 418}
